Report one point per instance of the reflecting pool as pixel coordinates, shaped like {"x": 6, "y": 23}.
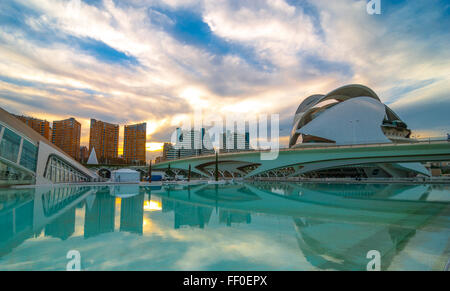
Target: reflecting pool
{"x": 248, "y": 226}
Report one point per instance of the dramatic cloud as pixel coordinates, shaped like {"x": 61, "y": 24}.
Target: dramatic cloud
{"x": 159, "y": 61}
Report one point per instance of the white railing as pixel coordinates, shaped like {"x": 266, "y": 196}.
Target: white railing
{"x": 357, "y": 180}
{"x": 429, "y": 140}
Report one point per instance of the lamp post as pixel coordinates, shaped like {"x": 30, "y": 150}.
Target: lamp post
{"x": 217, "y": 166}
{"x": 150, "y": 172}
{"x": 189, "y": 173}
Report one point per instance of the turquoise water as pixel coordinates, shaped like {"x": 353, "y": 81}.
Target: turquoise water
{"x": 255, "y": 226}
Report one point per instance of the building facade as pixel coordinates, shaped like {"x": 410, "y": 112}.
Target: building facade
{"x": 26, "y": 157}
{"x": 66, "y": 135}
{"x": 104, "y": 138}
{"x": 166, "y": 147}
{"x": 40, "y": 126}
{"x": 234, "y": 142}
{"x": 134, "y": 143}
{"x": 84, "y": 154}
{"x": 190, "y": 143}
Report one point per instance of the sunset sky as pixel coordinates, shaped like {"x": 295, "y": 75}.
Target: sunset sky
{"x": 156, "y": 61}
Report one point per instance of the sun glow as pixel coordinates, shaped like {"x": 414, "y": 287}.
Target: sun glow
{"x": 154, "y": 146}
{"x": 152, "y": 205}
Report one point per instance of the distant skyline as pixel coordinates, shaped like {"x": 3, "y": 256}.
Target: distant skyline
{"x": 155, "y": 61}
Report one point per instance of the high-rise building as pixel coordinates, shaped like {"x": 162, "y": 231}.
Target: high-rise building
{"x": 135, "y": 138}
{"x": 104, "y": 138}
{"x": 40, "y": 126}
{"x": 190, "y": 143}
{"x": 66, "y": 135}
{"x": 234, "y": 142}
{"x": 84, "y": 154}
{"x": 166, "y": 147}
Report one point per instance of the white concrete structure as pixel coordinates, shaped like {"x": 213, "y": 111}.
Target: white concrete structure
{"x": 352, "y": 115}
{"x": 124, "y": 191}
{"x": 92, "y": 158}
{"x": 354, "y": 121}
{"x": 125, "y": 176}
{"x": 26, "y": 157}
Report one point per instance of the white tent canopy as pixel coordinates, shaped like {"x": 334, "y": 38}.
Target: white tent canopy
{"x": 125, "y": 175}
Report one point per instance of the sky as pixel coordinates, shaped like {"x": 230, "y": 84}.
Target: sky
{"x": 157, "y": 61}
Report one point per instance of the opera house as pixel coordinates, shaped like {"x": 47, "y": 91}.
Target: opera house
{"x": 352, "y": 115}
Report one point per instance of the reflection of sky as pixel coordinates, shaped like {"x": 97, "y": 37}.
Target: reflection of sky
{"x": 163, "y": 248}
{"x": 268, "y": 242}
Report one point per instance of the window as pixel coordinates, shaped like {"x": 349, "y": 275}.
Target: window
{"x": 28, "y": 158}
{"x": 9, "y": 147}
{"x": 10, "y": 175}
{"x": 59, "y": 171}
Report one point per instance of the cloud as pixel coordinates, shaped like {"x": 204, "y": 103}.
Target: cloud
{"x": 157, "y": 61}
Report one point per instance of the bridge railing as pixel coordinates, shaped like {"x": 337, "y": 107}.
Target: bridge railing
{"x": 443, "y": 179}
{"x": 429, "y": 140}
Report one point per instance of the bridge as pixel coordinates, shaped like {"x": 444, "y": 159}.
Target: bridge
{"x": 294, "y": 162}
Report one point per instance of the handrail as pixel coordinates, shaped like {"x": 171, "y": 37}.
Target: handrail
{"x": 320, "y": 146}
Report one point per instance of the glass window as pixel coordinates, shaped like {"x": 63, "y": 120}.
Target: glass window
{"x": 60, "y": 171}
{"x": 9, "y": 147}
{"x": 28, "y": 158}
{"x": 10, "y": 175}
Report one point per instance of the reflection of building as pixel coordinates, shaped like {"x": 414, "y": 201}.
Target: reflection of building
{"x": 99, "y": 216}
{"x": 132, "y": 214}
{"x": 63, "y": 226}
{"x": 104, "y": 137}
{"x": 66, "y": 135}
{"x": 229, "y": 217}
{"x": 16, "y": 219}
{"x": 351, "y": 115}
{"x": 350, "y": 244}
{"x": 188, "y": 215}
{"x": 24, "y": 213}
{"x": 134, "y": 143}
{"x": 26, "y": 157}
{"x": 40, "y": 126}
{"x": 190, "y": 143}
{"x": 167, "y": 205}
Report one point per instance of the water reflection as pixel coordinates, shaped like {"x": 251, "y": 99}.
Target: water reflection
{"x": 99, "y": 213}
{"x": 334, "y": 226}
{"x": 63, "y": 226}
{"x": 132, "y": 214}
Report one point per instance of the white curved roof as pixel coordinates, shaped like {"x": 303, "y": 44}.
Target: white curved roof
{"x": 354, "y": 121}
{"x": 341, "y": 94}
{"x": 351, "y": 91}
{"x": 308, "y": 103}
{"x": 311, "y": 105}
